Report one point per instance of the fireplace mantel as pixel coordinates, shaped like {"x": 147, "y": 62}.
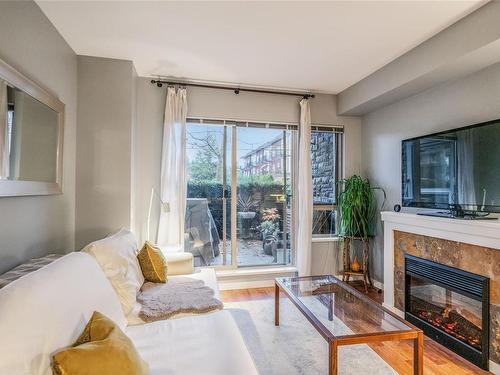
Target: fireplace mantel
{"x": 458, "y": 237}
{"x": 475, "y": 232}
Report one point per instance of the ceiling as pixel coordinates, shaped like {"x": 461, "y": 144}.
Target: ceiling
{"x": 319, "y": 46}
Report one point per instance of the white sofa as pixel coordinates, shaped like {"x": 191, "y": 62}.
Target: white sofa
{"x": 47, "y": 310}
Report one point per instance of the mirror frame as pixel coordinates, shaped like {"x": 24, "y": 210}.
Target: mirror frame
{"x": 10, "y": 188}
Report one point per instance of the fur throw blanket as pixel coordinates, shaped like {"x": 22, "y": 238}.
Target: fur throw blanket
{"x": 178, "y": 295}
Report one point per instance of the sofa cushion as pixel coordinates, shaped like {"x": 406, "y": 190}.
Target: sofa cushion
{"x": 47, "y": 309}
{"x": 117, "y": 256}
{"x": 102, "y": 348}
{"x": 208, "y": 344}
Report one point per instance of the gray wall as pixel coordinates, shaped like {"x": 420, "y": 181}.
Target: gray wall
{"x": 326, "y": 258}
{"x": 106, "y": 110}
{"x": 33, "y": 226}
{"x": 473, "y": 99}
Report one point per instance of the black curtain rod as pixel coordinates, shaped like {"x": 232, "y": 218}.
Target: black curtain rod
{"x": 236, "y": 90}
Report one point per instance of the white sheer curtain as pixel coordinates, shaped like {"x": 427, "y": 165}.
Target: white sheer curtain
{"x": 173, "y": 187}
{"x": 304, "y": 193}
{"x": 4, "y": 137}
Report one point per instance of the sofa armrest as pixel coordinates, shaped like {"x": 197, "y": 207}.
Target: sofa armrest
{"x": 179, "y": 263}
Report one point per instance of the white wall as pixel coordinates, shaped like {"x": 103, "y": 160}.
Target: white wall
{"x": 33, "y": 226}
{"x": 470, "y": 100}
{"x": 210, "y": 103}
{"x": 106, "y": 109}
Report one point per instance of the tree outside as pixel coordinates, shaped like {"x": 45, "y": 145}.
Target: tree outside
{"x": 207, "y": 162}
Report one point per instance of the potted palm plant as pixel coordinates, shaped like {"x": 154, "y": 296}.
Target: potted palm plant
{"x": 246, "y": 211}
{"x": 357, "y": 207}
{"x": 246, "y": 206}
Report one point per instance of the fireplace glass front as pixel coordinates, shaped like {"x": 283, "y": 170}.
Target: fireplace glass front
{"x": 449, "y": 305}
{"x": 457, "y": 315}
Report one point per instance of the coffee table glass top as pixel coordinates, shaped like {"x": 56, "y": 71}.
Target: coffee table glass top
{"x": 338, "y": 309}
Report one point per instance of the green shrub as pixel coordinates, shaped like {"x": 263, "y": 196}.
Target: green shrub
{"x": 257, "y": 188}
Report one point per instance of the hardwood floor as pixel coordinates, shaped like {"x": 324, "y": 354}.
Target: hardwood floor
{"x": 438, "y": 360}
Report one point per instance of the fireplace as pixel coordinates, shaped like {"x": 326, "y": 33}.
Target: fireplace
{"x": 450, "y": 305}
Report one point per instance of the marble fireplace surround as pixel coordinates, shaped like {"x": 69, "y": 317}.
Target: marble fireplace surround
{"x": 473, "y": 246}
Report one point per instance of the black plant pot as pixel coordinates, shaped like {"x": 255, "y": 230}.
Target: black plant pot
{"x": 268, "y": 244}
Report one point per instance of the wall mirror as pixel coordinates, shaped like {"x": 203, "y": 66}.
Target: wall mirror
{"x": 31, "y": 136}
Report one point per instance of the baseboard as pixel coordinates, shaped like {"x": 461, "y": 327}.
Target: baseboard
{"x": 494, "y": 368}
{"x": 232, "y": 285}
{"x": 377, "y": 284}
{"x": 248, "y": 278}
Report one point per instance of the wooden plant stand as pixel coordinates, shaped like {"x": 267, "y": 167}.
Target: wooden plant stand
{"x": 365, "y": 270}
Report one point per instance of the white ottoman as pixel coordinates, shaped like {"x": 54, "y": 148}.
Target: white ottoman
{"x": 179, "y": 263}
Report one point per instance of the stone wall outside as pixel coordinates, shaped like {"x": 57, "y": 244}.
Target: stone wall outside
{"x": 323, "y": 167}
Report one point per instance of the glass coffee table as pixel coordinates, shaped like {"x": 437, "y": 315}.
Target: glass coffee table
{"x": 345, "y": 316}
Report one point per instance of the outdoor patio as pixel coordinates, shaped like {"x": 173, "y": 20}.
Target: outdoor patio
{"x": 250, "y": 253}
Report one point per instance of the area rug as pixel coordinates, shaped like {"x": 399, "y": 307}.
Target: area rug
{"x": 295, "y": 347}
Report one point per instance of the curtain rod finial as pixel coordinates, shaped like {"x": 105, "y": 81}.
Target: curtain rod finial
{"x": 158, "y": 83}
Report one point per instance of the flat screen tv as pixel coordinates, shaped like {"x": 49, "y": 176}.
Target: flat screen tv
{"x": 456, "y": 168}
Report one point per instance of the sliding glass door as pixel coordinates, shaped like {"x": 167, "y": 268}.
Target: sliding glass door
{"x": 264, "y": 188}
{"x": 239, "y": 209}
{"x": 208, "y": 212}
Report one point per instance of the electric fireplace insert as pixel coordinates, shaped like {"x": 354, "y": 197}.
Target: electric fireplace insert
{"x": 450, "y": 305}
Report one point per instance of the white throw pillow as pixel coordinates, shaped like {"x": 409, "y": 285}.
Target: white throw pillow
{"x": 117, "y": 256}
{"x": 47, "y": 310}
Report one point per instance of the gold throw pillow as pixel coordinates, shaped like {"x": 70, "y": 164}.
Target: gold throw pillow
{"x": 102, "y": 348}
{"x": 153, "y": 263}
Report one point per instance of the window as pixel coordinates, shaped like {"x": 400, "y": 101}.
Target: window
{"x": 325, "y": 161}
{"x": 240, "y": 199}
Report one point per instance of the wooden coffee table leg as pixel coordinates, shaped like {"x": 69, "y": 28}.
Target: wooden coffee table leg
{"x": 418, "y": 354}
{"x": 333, "y": 359}
{"x": 276, "y": 305}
